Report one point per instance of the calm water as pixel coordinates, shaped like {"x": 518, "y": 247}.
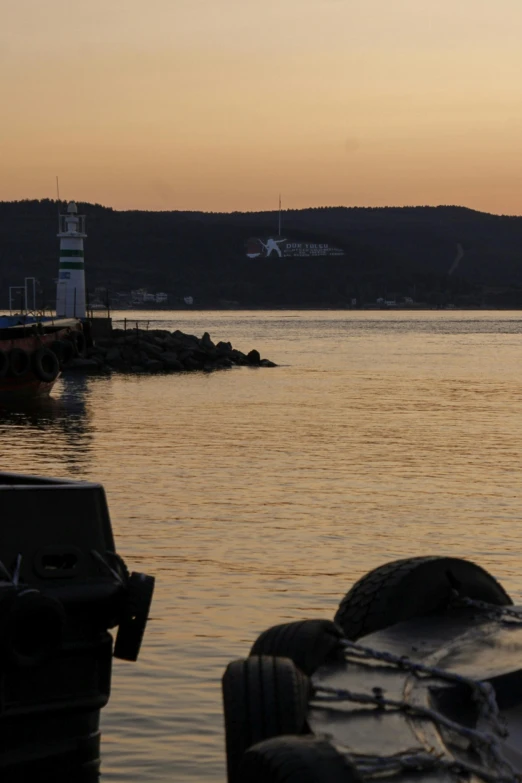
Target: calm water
{"x": 258, "y": 496}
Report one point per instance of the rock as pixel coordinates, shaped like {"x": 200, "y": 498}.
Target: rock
{"x": 142, "y": 350}
{"x": 159, "y": 341}
{"x": 238, "y": 357}
{"x": 96, "y": 351}
{"x": 153, "y": 351}
{"x": 223, "y": 348}
{"x": 224, "y": 362}
{"x": 200, "y": 356}
{"x": 129, "y": 353}
{"x": 117, "y": 364}
{"x": 186, "y": 339}
{"x": 153, "y": 365}
{"x": 113, "y": 355}
{"x": 173, "y": 364}
{"x": 207, "y": 343}
{"x": 192, "y": 364}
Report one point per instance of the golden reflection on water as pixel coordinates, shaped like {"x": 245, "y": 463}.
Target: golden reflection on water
{"x": 259, "y": 495}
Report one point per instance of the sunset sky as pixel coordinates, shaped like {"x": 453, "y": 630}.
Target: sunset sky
{"x": 221, "y": 104}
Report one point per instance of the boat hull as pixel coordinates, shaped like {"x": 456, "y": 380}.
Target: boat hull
{"x": 29, "y": 385}
{"x": 13, "y": 389}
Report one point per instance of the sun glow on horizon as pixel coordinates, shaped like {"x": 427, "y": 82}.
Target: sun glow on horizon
{"x": 193, "y": 106}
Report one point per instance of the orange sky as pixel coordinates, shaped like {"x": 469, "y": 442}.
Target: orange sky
{"x": 219, "y": 105}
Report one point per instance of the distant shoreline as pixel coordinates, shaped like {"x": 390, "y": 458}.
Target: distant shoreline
{"x": 308, "y": 308}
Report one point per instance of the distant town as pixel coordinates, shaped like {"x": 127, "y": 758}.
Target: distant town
{"x": 102, "y": 298}
{"x": 137, "y": 298}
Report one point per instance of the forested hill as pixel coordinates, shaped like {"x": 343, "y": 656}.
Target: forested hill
{"x": 390, "y": 252}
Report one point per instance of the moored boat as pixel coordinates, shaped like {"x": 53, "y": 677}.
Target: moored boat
{"x": 32, "y": 352}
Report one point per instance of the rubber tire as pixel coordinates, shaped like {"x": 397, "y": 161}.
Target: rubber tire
{"x": 414, "y": 587}
{"x": 308, "y": 643}
{"x": 263, "y": 697}
{"x": 80, "y": 344}
{"x": 64, "y": 351}
{"x": 71, "y": 340}
{"x": 4, "y": 363}
{"x": 19, "y": 362}
{"x": 296, "y": 760}
{"x": 41, "y": 358}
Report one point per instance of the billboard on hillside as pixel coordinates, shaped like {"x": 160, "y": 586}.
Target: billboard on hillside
{"x": 287, "y": 248}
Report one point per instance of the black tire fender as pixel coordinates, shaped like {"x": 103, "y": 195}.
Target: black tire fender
{"x": 308, "y": 643}
{"x": 71, "y": 340}
{"x": 63, "y": 350}
{"x": 414, "y": 587}
{"x": 4, "y": 363}
{"x": 80, "y": 342}
{"x": 296, "y": 760}
{"x": 45, "y": 365}
{"x": 19, "y": 362}
{"x": 263, "y": 697}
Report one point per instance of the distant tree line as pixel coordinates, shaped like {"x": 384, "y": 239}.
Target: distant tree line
{"x": 389, "y": 252}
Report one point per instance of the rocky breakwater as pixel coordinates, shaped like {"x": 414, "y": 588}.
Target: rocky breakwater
{"x": 158, "y": 350}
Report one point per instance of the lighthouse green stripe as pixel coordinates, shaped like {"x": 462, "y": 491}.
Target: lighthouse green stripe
{"x": 71, "y": 265}
{"x": 71, "y": 253}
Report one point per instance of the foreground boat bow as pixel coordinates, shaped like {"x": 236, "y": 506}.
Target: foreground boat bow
{"x": 420, "y": 674}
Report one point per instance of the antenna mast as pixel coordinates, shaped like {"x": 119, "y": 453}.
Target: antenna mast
{"x": 58, "y": 201}
{"x": 279, "y": 225}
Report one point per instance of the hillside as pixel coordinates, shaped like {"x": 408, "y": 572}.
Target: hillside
{"x": 389, "y": 252}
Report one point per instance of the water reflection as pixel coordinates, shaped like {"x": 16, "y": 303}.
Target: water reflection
{"x": 50, "y": 433}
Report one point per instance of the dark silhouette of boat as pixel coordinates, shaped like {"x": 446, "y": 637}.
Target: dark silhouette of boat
{"x": 33, "y": 350}
{"x": 418, "y": 677}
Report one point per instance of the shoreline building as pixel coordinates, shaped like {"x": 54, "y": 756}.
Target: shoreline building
{"x": 70, "y": 289}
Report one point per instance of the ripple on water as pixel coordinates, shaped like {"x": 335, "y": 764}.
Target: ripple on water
{"x": 259, "y": 496}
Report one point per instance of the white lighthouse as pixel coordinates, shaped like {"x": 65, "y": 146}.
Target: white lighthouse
{"x": 70, "y": 291}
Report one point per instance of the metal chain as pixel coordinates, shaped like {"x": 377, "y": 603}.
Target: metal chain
{"x": 419, "y": 761}
{"x": 494, "y": 609}
{"x": 483, "y": 693}
{"x": 478, "y": 739}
